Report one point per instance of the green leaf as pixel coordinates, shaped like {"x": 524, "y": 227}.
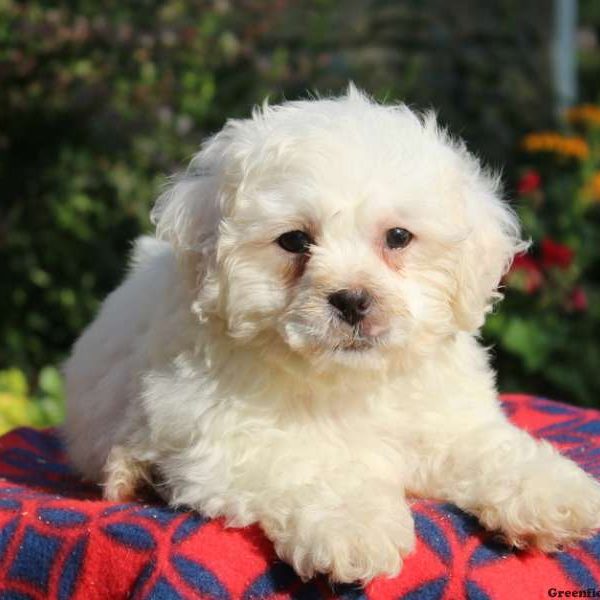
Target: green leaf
{"x": 50, "y": 382}
{"x": 527, "y": 340}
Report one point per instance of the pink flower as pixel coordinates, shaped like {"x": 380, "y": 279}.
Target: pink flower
{"x": 556, "y": 255}
{"x": 530, "y": 182}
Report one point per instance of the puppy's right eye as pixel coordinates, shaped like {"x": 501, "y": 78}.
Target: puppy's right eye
{"x": 297, "y": 242}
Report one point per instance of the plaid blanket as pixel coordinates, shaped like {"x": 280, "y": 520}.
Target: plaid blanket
{"x": 58, "y": 539}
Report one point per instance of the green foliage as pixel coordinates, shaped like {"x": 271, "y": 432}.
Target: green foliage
{"x": 18, "y": 407}
{"x": 546, "y": 331}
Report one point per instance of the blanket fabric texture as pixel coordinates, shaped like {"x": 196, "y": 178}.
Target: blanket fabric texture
{"x": 59, "y": 539}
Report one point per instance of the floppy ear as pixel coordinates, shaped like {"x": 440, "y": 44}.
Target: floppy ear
{"x": 493, "y": 238}
{"x": 188, "y": 213}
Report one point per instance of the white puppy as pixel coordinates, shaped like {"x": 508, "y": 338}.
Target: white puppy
{"x": 298, "y": 348}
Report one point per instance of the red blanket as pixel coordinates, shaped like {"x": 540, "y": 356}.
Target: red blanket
{"x": 58, "y": 539}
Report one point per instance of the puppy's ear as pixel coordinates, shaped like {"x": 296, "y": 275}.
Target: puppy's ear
{"x": 189, "y": 212}
{"x": 492, "y": 239}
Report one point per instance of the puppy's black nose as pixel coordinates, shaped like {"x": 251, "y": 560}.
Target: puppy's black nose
{"x": 353, "y": 305}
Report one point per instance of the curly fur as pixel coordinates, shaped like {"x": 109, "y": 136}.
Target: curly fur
{"x": 220, "y": 366}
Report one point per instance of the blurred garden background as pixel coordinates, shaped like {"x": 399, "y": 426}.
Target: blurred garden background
{"x": 99, "y": 101}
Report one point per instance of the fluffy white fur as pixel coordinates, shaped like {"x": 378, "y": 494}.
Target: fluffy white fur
{"x": 219, "y": 371}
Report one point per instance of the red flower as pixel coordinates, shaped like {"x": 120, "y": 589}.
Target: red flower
{"x": 525, "y": 273}
{"x": 578, "y": 300}
{"x": 556, "y": 255}
{"x": 530, "y": 182}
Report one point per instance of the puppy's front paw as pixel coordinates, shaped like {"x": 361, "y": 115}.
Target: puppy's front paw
{"x": 555, "y": 507}
{"x": 348, "y": 546}
{"x": 123, "y": 475}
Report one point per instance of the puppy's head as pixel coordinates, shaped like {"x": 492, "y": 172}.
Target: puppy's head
{"x": 349, "y": 231}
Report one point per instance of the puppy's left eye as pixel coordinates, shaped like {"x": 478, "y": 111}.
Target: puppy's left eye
{"x": 397, "y": 237}
{"x": 297, "y": 242}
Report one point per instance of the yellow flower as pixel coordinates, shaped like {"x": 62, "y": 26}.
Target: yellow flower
{"x": 556, "y": 143}
{"x": 585, "y": 114}
{"x": 591, "y": 190}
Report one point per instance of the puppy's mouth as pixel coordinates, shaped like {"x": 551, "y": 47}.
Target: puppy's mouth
{"x": 359, "y": 352}
{"x": 363, "y": 337}
{"x": 359, "y": 344}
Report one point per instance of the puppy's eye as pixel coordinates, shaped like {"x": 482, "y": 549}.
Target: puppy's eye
{"x": 295, "y": 241}
{"x": 397, "y": 238}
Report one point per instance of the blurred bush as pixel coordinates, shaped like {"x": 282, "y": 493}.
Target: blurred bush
{"x": 94, "y": 111}
{"x": 99, "y": 101}
{"x": 547, "y": 330}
